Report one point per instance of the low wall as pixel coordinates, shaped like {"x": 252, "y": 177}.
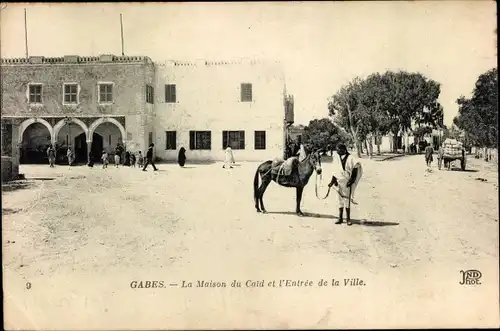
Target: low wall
{"x": 9, "y": 169}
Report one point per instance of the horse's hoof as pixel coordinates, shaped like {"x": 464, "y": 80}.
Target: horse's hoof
{"x": 258, "y": 210}
{"x": 264, "y": 211}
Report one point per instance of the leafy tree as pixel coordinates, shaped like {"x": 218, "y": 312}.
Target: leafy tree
{"x": 323, "y": 133}
{"x": 391, "y": 102}
{"x": 343, "y": 105}
{"x": 478, "y": 116}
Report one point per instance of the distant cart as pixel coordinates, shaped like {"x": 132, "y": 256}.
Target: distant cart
{"x": 453, "y": 150}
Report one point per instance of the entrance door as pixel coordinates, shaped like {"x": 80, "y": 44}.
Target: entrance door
{"x": 80, "y": 148}
{"x": 97, "y": 147}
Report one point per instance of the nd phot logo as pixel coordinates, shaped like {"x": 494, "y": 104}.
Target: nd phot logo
{"x": 470, "y": 277}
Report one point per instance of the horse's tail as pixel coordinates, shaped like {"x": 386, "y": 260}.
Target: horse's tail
{"x": 256, "y": 183}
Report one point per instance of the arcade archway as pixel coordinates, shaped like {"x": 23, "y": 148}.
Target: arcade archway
{"x": 110, "y": 133}
{"x": 68, "y": 134}
{"x": 35, "y": 139}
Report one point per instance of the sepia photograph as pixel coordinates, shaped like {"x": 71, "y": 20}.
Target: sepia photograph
{"x": 249, "y": 165}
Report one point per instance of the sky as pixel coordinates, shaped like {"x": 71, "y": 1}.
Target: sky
{"x": 321, "y": 45}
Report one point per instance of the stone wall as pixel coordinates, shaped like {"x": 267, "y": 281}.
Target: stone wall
{"x": 128, "y": 81}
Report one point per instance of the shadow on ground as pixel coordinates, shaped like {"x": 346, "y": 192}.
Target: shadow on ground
{"x": 466, "y": 170}
{"x": 40, "y": 178}
{"x": 14, "y": 186}
{"x": 9, "y": 211}
{"x": 189, "y": 162}
{"x": 313, "y": 215}
{"x": 363, "y": 222}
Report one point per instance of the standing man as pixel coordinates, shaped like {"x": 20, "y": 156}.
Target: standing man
{"x": 149, "y": 158}
{"x": 428, "y": 155}
{"x": 70, "y": 156}
{"x": 301, "y": 153}
{"x": 228, "y": 157}
{"x": 51, "y": 153}
{"x": 346, "y": 175}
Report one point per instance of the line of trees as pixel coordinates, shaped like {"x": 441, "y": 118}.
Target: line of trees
{"x": 403, "y": 103}
{"x": 478, "y": 116}
{"x": 367, "y": 109}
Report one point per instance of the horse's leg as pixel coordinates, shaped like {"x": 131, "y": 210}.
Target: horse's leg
{"x": 256, "y": 188}
{"x": 265, "y": 183}
{"x": 298, "y": 199}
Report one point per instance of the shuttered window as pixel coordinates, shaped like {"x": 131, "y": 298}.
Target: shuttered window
{"x": 171, "y": 140}
{"x": 170, "y": 93}
{"x": 246, "y": 92}
{"x": 150, "y": 94}
{"x": 235, "y": 139}
{"x": 260, "y": 139}
{"x": 200, "y": 140}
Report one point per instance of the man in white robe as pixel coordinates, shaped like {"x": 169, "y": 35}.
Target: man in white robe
{"x": 228, "y": 157}
{"x": 302, "y": 153}
{"x": 347, "y": 172}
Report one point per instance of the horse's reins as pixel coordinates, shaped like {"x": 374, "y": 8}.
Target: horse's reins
{"x": 316, "y": 188}
{"x": 328, "y": 192}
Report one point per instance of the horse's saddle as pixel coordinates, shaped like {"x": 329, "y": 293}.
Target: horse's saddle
{"x": 284, "y": 167}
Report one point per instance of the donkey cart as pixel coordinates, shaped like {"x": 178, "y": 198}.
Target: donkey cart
{"x": 452, "y": 151}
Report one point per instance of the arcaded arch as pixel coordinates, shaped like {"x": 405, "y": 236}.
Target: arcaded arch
{"x": 24, "y": 125}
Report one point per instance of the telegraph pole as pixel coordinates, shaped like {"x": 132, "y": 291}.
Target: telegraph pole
{"x": 26, "y": 34}
{"x": 121, "y": 28}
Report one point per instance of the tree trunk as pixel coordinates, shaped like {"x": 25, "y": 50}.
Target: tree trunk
{"x": 359, "y": 148}
{"x": 486, "y": 154}
{"x": 370, "y": 146}
{"x": 394, "y": 141}
{"x": 354, "y": 133}
{"x": 378, "y": 140}
{"x": 407, "y": 141}
{"x": 365, "y": 145}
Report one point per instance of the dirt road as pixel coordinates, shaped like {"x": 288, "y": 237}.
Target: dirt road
{"x": 79, "y": 237}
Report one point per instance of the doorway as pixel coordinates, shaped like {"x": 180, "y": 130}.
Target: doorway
{"x": 97, "y": 146}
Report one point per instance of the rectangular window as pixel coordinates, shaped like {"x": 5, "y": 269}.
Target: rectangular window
{"x": 260, "y": 139}
{"x": 150, "y": 138}
{"x": 171, "y": 140}
{"x": 170, "y": 93}
{"x": 70, "y": 93}
{"x": 35, "y": 93}
{"x": 246, "y": 92}
{"x": 150, "y": 94}
{"x": 235, "y": 139}
{"x": 105, "y": 93}
{"x": 200, "y": 140}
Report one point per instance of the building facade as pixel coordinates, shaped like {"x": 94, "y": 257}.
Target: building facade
{"x": 92, "y": 104}
{"x": 206, "y": 106}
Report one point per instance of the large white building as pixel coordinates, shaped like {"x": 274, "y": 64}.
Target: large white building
{"x": 92, "y": 104}
{"x": 204, "y": 106}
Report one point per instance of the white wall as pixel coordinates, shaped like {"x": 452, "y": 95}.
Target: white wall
{"x": 208, "y": 99}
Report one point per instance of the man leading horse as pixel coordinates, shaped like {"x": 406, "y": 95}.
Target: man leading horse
{"x": 347, "y": 172}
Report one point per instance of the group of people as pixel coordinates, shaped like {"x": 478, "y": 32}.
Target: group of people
{"x": 130, "y": 159}
{"x": 52, "y": 152}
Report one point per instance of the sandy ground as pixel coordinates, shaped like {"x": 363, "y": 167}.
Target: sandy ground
{"x": 80, "y": 236}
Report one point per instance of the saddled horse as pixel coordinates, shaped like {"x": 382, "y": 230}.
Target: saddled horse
{"x": 299, "y": 177}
